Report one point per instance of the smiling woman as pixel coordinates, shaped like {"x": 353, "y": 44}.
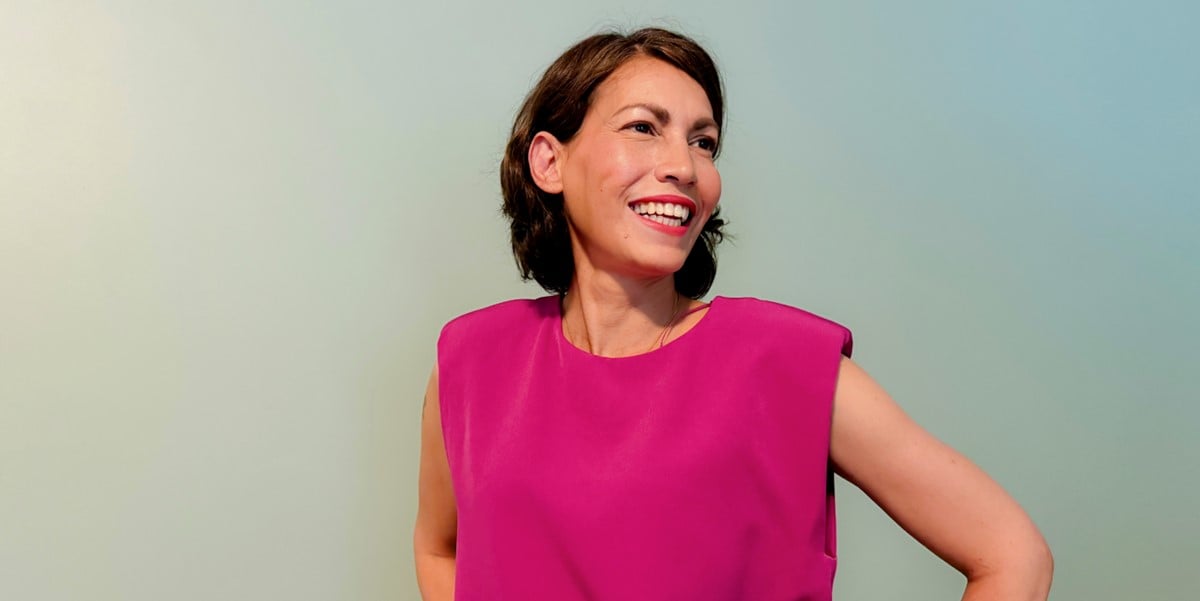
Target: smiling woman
{"x": 633, "y": 163}
{"x": 622, "y": 439}
{"x": 558, "y": 114}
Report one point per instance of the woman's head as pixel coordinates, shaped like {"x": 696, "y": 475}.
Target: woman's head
{"x": 617, "y": 121}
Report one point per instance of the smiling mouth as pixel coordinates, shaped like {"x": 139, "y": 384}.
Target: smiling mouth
{"x": 666, "y": 213}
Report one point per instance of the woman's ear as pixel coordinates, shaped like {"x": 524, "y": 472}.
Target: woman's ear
{"x": 545, "y": 152}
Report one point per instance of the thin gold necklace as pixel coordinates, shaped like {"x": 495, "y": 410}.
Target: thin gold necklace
{"x": 658, "y": 342}
{"x": 662, "y": 338}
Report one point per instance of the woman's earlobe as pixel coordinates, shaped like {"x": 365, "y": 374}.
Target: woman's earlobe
{"x": 544, "y": 165}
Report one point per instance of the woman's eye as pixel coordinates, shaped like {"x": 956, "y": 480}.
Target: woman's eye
{"x": 706, "y": 143}
{"x": 642, "y": 128}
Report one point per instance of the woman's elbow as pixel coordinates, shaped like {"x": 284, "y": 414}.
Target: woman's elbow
{"x": 1043, "y": 568}
{"x": 1026, "y": 572}
{"x": 1039, "y": 560}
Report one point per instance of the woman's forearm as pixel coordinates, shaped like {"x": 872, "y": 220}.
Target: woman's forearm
{"x": 435, "y": 576}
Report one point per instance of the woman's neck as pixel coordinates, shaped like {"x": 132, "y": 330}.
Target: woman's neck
{"x": 611, "y": 316}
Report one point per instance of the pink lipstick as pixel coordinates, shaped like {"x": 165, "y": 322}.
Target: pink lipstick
{"x": 667, "y": 213}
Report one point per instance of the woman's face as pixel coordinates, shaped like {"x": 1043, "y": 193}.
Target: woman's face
{"x": 638, "y": 177}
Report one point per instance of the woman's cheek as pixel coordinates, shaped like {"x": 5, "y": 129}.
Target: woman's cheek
{"x": 712, "y": 192}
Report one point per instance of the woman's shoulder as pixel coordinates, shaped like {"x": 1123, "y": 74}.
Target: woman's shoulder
{"x": 502, "y": 317}
{"x": 750, "y": 313}
{"x": 769, "y": 310}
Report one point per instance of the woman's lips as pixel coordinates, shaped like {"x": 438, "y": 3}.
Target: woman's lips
{"x": 668, "y": 213}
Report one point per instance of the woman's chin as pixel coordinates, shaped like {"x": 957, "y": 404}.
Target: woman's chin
{"x": 659, "y": 267}
{"x": 648, "y": 263}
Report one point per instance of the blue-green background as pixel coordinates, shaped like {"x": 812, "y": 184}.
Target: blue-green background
{"x": 230, "y": 232}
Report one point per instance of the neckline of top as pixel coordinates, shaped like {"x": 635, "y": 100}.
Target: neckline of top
{"x": 561, "y": 336}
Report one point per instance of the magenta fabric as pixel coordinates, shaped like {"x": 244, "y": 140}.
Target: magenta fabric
{"x": 697, "y": 471}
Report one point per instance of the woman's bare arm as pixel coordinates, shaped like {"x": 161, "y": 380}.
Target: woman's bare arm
{"x": 437, "y": 513}
{"x": 937, "y": 495}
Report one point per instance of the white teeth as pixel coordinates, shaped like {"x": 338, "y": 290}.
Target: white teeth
{"x": 663, "y": 212}
{"x": 665, "y": 220}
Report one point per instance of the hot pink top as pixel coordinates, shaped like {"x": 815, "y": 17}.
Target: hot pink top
{"x": 699, "y": 470}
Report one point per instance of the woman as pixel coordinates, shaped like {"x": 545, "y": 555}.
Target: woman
{"x": 624, "y": 440}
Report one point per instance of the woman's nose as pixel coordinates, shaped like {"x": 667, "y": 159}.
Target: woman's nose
{"x": 676, "y": 164}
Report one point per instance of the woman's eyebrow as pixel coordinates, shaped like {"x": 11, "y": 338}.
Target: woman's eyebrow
{"x": 659, "y": 112}
{"x": 664, "y": 116}
{"x": 705, "y": 122}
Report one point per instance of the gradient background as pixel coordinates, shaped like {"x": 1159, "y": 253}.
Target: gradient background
{"x": 230, "y": 232}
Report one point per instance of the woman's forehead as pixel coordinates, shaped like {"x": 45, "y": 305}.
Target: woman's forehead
{"x": 649, "y": 81}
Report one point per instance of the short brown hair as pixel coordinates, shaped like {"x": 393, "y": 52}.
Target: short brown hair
{"x": 541, "y": 240}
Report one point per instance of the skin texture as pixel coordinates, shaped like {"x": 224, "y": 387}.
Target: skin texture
{"x": 623, "y": 298}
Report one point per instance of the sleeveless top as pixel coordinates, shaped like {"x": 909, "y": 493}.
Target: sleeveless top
{"x": 696, "y": 471}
